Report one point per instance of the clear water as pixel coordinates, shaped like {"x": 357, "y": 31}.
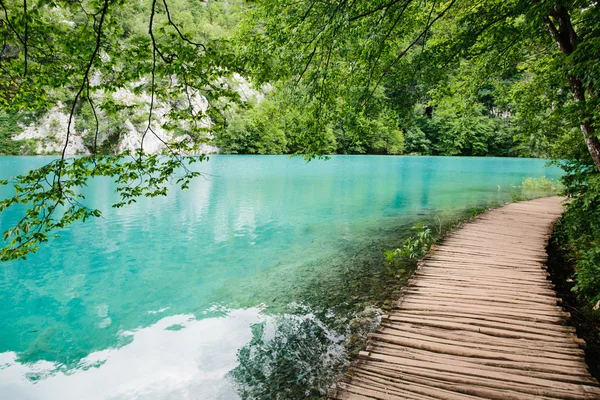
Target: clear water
{"x": 156, "y": 300}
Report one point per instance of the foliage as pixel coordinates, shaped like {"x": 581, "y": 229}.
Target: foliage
{"x": 507, "y": 78}
{"x": 254, "y": 132}
{"x": 414, "y": 247}
{"x": 361, "y": 134}
{"x": 578, "y": 230}
{"x": 490, "y": 74}
{"x": 417, "y": 142}
{"x": 493, "y": 78}
{"x": 282, "y": 123}
{"x": 465, "y": 131}
{"x": 83, "y": 54}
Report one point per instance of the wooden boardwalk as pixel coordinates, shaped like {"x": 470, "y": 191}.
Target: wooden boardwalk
{"x": 479, "y": 320}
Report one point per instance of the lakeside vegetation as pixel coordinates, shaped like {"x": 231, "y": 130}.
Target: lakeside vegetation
{"x": 496, "y": 78}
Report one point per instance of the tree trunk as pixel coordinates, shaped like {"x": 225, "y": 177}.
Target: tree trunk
{"x": 591, "y": 140}
{"x": 567, "y": 40}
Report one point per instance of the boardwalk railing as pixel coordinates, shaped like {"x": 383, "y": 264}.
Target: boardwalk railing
{"x": 479, "y": 320}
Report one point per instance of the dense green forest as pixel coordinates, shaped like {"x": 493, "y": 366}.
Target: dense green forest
{"x": 405, "y": 115}
{"x": 453, "y": 77}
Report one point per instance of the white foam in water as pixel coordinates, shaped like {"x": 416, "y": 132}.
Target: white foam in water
{"x": 160, "y": 363}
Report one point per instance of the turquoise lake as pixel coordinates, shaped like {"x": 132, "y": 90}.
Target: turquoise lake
{"x": 252, "y": 276}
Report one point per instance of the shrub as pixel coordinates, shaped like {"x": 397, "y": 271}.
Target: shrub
{"x": 578, "y": 230}
{"x": 414, "y": 247}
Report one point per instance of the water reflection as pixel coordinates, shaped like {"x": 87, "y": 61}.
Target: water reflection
{"x": 297, "y": 356}
{"x": 178, "y": 357}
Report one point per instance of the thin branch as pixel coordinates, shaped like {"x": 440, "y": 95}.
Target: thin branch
{"x": 153, "y": 75}
{"x": 379, "y": 8}
{"x": 473, "y": 37}
{"x": 410, "y": 46}
{"x": 185, "y": 39}
{"x": 312, "y": 54}
{"x": 155, "y": 51}
{"x": 387, "y": 36}
{"x": 12, "y": 28}
{"x": 97, "y": 122}
{"x": 85, "y": 81}
{"x": 25, "y": 38}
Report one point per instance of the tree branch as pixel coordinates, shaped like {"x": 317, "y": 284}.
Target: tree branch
{"x": 410, "y": 46}
{"x": 379, "y": 8}
{"x": 85, "y": 80}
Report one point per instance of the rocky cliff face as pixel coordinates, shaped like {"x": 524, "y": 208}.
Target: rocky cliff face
{"x": 50, "y": 132}
{"x": 124, "y": 132}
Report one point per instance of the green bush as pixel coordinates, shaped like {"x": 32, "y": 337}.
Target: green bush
{"x": 254, "y": 131}
{"x": 414, "y": 247}
{"x": 578, "y": 230}
{"x": 279, "y": 124}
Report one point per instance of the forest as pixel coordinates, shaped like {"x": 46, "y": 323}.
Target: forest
{"x": 131, "y": 82}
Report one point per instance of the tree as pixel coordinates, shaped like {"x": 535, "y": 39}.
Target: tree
{"x": 82, "y": 53}
{"x": 582, "y": 64}
{"x": 255, "y": 132}
{"x": 410, "y": 47}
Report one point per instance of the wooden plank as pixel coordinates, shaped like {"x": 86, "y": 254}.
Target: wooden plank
{"x": 457, "y": 303}
{"x": 474, "y": 285}
{"x": 483, "y": 260}
{"x": 480, "y": 293}
{"x": 498, "y": 297}
{"x": 463, "y": 351}
{"x": 498, "y": 280}
{"x": 527, "y": 350}
{"x": 408, "y": 388}
{"x": 515, "y": 367}
{"x": 470, "y": 368}
{"x": 372, "y": 392}
{"x": 565, "y": 329}
{"x": 481, "y": 308}
{"x": 476, "y": 309}
{"x": 469, "y": 268}
{"x": 466, "y": 239}
{"x": 469, "y": 253}
{"x": 498, "y": 393}
{"x": 409, "y": 373}
{"x": 478, "y": 337}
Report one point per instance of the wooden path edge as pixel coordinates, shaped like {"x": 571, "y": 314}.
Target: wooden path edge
{"x": 479, "y": 319}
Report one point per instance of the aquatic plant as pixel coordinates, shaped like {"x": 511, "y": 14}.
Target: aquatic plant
{"x": 299, "y": 355}
{"x": 414, "y": 247}
{"x": 289, "y": 357}
{"x": 542, "y": 183}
